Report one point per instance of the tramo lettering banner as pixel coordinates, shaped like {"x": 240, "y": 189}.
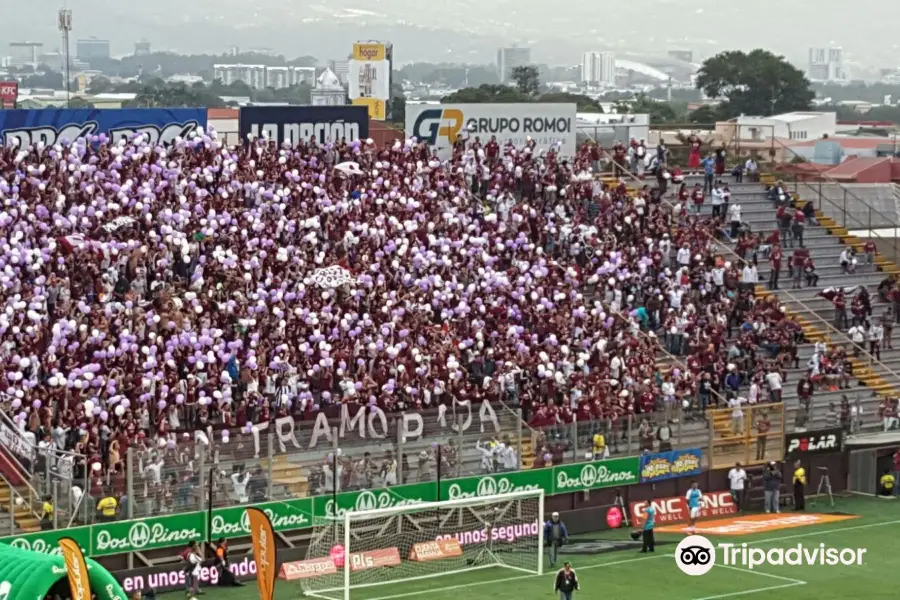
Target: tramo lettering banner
{"x": 548, "y": 125}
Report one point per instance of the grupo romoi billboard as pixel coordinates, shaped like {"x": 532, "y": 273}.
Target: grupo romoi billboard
{"x": 295, "y": 124}
{"x": 545, "y": 123}
{"x": 50, "y": 125}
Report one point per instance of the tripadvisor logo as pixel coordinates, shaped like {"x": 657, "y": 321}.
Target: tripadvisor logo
{"x": 141, "y": 535}
{"x": 592, "y": 475}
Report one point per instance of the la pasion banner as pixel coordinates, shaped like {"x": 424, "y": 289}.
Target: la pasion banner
{"x": 821, "y": 441}
{"x": 671, "y": 465}
{"x": 295, "y": 124}
{"x": 52, "y": 125}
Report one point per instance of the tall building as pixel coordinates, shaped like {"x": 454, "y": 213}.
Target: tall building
{"x": 92, "y": 48}
{"x": 25, "y": 53}
{"x": 826, "y": 64}
{"x": 598, "y": 68}
{"x": 141, "y": 48}
{"x": 260, "y": 76}
{"x": 510, "y": 58}
{"x": 341, "y": 68}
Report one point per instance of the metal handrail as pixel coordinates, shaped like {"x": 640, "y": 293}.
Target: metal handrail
{"x": 730, "y": 251}
{"x": 847, "y": 192}
{"x": 13, "y": 494}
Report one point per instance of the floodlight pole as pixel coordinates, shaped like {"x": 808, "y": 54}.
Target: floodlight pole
{"x": 65, "y": 26}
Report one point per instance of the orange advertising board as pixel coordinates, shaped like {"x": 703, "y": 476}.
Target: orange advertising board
{"x": 372, "y": 559}
{"x": 435, "y": 550}
{"x": 304, "y": 569}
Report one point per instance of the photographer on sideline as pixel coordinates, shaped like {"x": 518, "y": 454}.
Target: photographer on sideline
{"x": 555, "y": 535}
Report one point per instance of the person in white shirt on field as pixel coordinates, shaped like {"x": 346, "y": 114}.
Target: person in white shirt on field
{"x": 736, "y": 479}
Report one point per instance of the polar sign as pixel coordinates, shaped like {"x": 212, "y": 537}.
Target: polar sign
{"x": 548, "y": 125}
{"x": 295, "y": 124}
{"x": 50, "y": 125}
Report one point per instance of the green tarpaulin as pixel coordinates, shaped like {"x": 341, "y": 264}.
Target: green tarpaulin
{"x": 27, "y": 575}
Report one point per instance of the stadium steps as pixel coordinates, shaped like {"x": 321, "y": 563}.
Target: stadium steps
{"x": 289, "y": 475}
{"x": 24, "y": 518}
{"x": 825, "y": 241}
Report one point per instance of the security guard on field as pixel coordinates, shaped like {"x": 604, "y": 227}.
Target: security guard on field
{"x": 799, "y": 486}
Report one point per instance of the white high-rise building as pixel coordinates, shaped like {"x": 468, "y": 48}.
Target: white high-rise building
{"x": 826, "y": 64}
{"x": 598, "y": 68}
{"x": 510, "y": 58}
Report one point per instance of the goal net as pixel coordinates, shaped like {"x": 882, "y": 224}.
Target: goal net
{"x": 402, "y": 544}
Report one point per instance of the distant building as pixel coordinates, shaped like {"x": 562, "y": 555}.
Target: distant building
{"x": 260, "y": 76}
{"x": 510, "y": 58}
{"x": 598, "y": 68}
{"x": 25, "y": 53}
{"x": 329, "y": 91}
{"x": 826, "y": 64}
{"x": 685, "y": 55}
{"x": 92, "y": 49}
{"x": 341, "y": 68}
{"x": 141, "y": 48}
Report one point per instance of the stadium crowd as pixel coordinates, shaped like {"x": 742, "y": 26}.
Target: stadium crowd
{"x": 149, "y": 292}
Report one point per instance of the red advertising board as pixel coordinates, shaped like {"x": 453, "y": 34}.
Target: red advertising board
{"x": 675, "y": 509}
{"x": 9, "y": 93}
{"x": 372, "y": 559}
{"x": 303, "y": 569}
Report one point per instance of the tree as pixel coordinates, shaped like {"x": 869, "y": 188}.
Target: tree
{"x": 755, "y": 83}
{"x": 708, "y": 113}
{"x": 486, "y": 93}
{"x": 660, "y": 112}
{"x": 585, "y": 104}
{"x": 528, "y": 79}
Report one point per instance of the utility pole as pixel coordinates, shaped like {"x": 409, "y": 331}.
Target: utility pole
{"x": 65, "y": 26}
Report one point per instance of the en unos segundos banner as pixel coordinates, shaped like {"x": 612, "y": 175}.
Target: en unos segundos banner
{"x": 174, "y": 531}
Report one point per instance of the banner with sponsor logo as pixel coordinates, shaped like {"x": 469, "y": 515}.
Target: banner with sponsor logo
{"x": 369, "y": 51}
{"x": 370, "y": 85}
{"x": 170, "y": 577}
{"x": 820, "y": 441}
{"x": 548, "y": 125}
{"x": 177, "y": 530}
{"x": 9, "y": 93}
{"x": 76, "y": 569}
{"x": 50, "y": 125}
{"x": 264, "y": 552}
{"x": 675, "y": 509}
{"x": 376, "y": 106}
{"x": 670, "y": 465}
{"x": 435, "y": 550}
{"x": 295, "y": 124}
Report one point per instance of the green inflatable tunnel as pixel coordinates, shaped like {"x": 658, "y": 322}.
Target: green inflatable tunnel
{"x": 27, "y": 575}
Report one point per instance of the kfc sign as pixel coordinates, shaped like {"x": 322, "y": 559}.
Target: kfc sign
{"x": 673, "y": 510}
{"x": 822, "y": 441}
{"x": 9, "y": 93}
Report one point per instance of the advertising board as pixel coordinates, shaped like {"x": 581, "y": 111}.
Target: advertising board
{"x": 295, "y": 124}
{"x": 177, "y": 530}
{"x": 548, "y": 125}
{"x": 671, "y": 464}
{"x": 675, "y": 509}
{"x": 805, "y": 443}
{"x": 50, "y": 125}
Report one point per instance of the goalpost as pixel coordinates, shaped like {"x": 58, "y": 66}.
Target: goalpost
{"x": 410, "y": 542}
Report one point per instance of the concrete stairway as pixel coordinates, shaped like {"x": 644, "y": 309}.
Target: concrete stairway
{"x": 825, "y": 242}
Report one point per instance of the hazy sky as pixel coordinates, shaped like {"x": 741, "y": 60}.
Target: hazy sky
{"x": 471, "y": 30}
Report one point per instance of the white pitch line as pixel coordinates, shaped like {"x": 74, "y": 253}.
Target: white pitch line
{"x": 790, "y": 580}
{"x": 771, "y": 588}
{"x": 463, "y": 586}
{"x": 822, "y": 532}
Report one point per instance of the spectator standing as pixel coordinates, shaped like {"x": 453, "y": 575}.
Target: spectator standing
{"x": 737, "y": 477}
{"x": 555, "y": 536}
{"x": 772, "y": 488}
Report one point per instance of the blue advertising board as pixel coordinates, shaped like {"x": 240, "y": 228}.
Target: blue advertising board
{"x": 295, "y": 124}
{"x": 671, "y": 464}
{"x": 50, "y": 125}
